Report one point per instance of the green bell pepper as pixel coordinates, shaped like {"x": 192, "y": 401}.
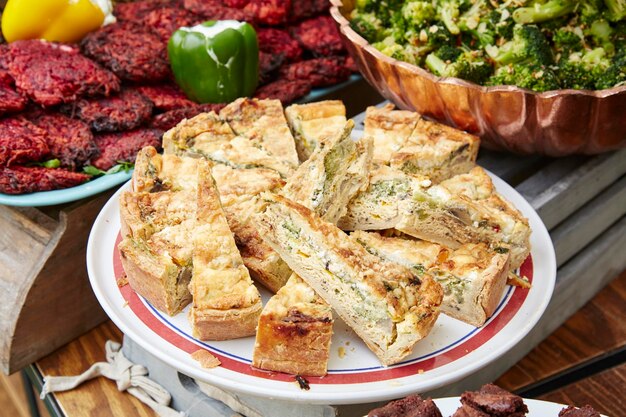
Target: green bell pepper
{"x": 215, "y": 61}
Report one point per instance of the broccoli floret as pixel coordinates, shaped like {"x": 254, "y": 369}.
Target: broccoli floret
{"x": 367, "y": 25}
{"x": 528, "y": 43}
{"x": 470, "y": 66}
{"x": 526, "y": 75}
{"x": 476, "y": 24}
{"x": 601, "y": 32}
{"x": 502, "y": 22}
{"x": 418, "y": 14}
{"x": 367, "y": 5}
{"x": 616, "y": 9}
{"x": 448, "y": 11}
{"x": 448, "y": 53}
{"x": 568, "y": 39}
{"x": 405, "y": 53}
{"x": 537, "y": 12}
{"x": 613, "y": 76}
{"x": 581, "y": 71}
{"x": 589, "y": 11}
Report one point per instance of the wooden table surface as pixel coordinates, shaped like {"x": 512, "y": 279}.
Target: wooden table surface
{"x": 582, "y": 362}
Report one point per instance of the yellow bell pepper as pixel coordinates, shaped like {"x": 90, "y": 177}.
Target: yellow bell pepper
{"x": 53, "y": 20}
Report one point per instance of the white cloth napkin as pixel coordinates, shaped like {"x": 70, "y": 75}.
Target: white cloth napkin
{"x": 128, "y": 376}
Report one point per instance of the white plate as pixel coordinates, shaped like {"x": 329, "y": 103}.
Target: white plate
{"x": 536, "y": 408}
{"x": 452, "y": 350}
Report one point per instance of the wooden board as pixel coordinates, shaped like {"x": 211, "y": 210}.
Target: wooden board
{"x": 98, "y": 397}
{"x": 45, "y": 296}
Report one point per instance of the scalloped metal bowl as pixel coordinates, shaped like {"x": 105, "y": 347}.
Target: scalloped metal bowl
{"x": 554, "y": 123}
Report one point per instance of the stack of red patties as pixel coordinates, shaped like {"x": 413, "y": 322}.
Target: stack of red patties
{"x": 56, "y": 105}
{"x": 491, "y": 401}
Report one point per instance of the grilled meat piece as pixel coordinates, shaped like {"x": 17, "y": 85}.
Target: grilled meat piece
{"x": 53, "y": 73}
{"x": 237, "y": 4}
{"x": 133, "y": 52}
{"x": 126, "y": 111}
{"x": 320, "y": 36}
{"x": 269, "y": 12}
{"x": 123, "y": 147}
{"x": 69, "y": 140}
{"x": 268, "y": 66}
{"x": 21, "y": 141}
{"x": 10, "y": 100}
{"x": 319, "y": 72}
{"x": 216, "y": 10}
{"x": 305, "y": 9}
{"x": 165, "y": 97}
{"x": 4, "y": 56}
{"x": 21, "y": 180}
{"x": 137, "y": 10}
{"x": 276, "y": 41}
{"x": 166, "y": 20}
{"x": 287, "y": 91}
{"x": 167, "y": 120}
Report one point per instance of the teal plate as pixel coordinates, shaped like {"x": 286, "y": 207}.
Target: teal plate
{"x": 66, "y": 195}
{"x": 100, "y": 184}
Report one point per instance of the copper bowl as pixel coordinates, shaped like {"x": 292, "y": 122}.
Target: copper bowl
{"x": 554, "y": 123}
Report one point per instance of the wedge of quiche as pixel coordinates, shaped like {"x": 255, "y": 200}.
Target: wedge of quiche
{"x": 507, "y": 222}
{"x": 226, "y": 304}
{"x": 409, "y": 143}
{"x": 385, "y": 304}
{"x": 157, "y": 222}
{"x": 411, "y": 204}
{"x": 263, "y": 123}
{"x": 210, "y": 137}
{"x": 333, "y": 175}
{"x": 473, "y": 277}
{"x": 312, "y": 122}
{"x": 294, "y": 331}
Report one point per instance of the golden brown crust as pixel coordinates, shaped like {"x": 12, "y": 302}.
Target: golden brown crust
{"x": 417, "y": 146}
{"x": 262, "y": 122}
{"x": 206, "y": 359}
{"x": 156, "y": 278}
{"x": 294, "y": 332}
{"x": 312, "y": 123}
{"x": 212, "y": 324}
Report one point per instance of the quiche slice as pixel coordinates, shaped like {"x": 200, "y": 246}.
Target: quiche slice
{"x": 507, "y": 222}
{"x": 385, "y": 304}
{"x": 409, "y": 143}
{"x": 294, "y": 331}
{"x": 333, "y": 175}
{"x": 210, "y": 137}
{"x": 226, "y": 304}
{"x": 436, "y": 151}
{"x": 411, "y": 204}
{"x": 390, "y": 129}
{"x": 263, "y": 123}
{"x": 312, "y": 122}
{"x": 157, "y": 227}
{"x": 473, "y": 277}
